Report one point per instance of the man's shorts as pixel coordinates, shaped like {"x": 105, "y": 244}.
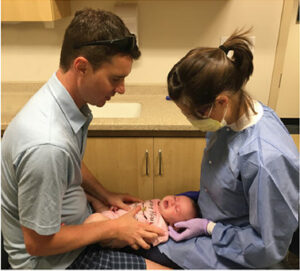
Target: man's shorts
{"x": 97, "y": 257}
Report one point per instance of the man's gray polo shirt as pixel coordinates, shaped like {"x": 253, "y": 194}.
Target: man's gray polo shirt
{"x": 42, "y": 149}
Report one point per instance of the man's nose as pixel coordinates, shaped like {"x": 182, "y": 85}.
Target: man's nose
{"x": 121, "y": 88}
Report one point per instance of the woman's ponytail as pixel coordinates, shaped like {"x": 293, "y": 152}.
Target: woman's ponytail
{"x": 242, "y": 57}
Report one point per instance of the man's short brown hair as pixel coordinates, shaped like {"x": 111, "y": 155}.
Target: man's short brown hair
{"x": 90, "y": 25}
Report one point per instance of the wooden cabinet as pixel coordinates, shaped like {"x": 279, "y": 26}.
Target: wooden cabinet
{"x": 177, "y": 165}
{"x": 146, "y": 167}
{"x": 120, "y": 164}
{"x": 34, "y": 10}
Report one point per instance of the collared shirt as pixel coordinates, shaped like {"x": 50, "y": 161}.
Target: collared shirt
{"x": 249, "y": 186}
{"x": 42, "y": 149}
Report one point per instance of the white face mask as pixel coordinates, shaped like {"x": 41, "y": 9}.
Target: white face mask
{"x": 208, "y": 125}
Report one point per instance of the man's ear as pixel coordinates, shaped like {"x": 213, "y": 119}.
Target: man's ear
{"x": 81, "y": 65}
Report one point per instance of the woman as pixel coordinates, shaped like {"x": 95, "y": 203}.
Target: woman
{"x": 250, "y": 169}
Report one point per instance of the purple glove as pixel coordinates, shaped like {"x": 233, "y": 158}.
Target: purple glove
{"x": 191, "y": 228}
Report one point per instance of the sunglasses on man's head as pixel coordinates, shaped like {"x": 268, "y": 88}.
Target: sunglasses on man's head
{"x": 124, "y": 44}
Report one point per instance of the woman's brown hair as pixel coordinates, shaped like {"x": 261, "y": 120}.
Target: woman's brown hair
{"x": 203, "y": 73}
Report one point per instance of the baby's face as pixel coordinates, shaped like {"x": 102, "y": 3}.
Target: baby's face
{"x": 176, "y": 208}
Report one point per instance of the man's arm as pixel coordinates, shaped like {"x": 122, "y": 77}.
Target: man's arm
{"x": 115, "y": 233}
{"x": 91, "y": 185}
{"x": 96, "y": 189}
{"x": 41, "y": 187}
{"x": 67, "y": 239}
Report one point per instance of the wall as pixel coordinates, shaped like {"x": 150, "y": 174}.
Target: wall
{"x": 167, "y": 30}
{"x": 288, "y": 99}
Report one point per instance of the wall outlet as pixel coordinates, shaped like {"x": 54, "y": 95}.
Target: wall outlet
{"x": 252, "y": 38}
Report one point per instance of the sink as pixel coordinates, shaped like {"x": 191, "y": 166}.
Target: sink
{"x": 117, "y": 110}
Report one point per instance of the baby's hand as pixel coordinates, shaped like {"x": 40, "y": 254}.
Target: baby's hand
{"x": 95, "y": 217}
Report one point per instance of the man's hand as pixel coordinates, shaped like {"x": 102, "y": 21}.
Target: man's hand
{"x": 93, "y": 187}
{"x": 120, "y": 200}
{"x": 128, "y": 231}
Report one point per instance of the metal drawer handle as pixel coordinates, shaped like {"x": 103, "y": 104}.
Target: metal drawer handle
{"x": 160, "y": 162}
{"x": 147, "y": 162}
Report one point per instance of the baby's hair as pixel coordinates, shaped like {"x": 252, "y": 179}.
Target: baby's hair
{"x": 196, "y": 209}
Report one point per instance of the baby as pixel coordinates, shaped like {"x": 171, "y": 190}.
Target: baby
{"x": 162, "y": 213}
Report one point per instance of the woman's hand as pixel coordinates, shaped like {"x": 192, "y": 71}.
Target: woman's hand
{"x": 120, "y": 200}
{"x": 188, "y": 229}
{"x": 128, "y": 231}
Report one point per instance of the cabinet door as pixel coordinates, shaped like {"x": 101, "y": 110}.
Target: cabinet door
{"x": 120, "y": 164}
{"x": 34, "y": 10}
{"x": 177, "y": 165}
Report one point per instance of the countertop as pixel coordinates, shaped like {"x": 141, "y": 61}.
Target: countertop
{"x": 159, "y": 117}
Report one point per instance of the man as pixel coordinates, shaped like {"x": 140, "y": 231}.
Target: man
{"x": 43, "y": 178}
